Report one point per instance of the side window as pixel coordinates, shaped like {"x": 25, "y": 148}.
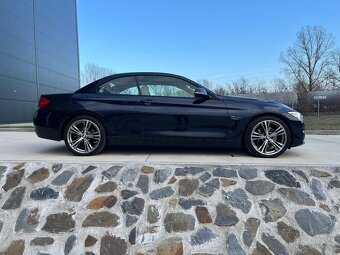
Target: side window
{"x": 123, "y": 86}
{"x": 165, "y": 86}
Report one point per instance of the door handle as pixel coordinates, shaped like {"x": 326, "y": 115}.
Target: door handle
{"x": 148, "y": 101}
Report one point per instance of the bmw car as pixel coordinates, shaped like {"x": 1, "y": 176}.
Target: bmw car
{"x": 159, "y": 109}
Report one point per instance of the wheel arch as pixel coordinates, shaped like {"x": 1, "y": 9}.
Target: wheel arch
{"x": 80, "y": 113}
{"x": 270, "y": 114}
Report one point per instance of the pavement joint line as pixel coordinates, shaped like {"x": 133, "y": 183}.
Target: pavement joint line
{"x": 176, "y": 163}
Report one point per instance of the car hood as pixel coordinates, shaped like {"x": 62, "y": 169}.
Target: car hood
{"x": 253, "y": 100}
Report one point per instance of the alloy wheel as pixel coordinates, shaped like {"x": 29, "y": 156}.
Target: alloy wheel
{"x": 83, "y": 136}
{"x": 268, "y": 137}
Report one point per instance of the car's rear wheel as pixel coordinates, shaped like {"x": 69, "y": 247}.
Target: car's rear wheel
{"x": 267, "y": 137}
{"x": 85, "y": 136}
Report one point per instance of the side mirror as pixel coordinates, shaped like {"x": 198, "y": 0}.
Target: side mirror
{"x": 201, "y": 93}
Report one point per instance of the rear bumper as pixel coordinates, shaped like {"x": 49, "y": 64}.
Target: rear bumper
{"x": 47, "y": 133}
{"x": 42, "y": 126}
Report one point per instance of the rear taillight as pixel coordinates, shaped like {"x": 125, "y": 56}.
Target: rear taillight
{"x": 43, "y": 102}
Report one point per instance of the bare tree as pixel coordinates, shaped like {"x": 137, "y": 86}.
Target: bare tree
{"x": 334, "y": 72}
{"x": 206, "y": 83}
{"x": 308, "y": 60}
{"x": 92, "y": 72}
{"x": 279, "y": 85}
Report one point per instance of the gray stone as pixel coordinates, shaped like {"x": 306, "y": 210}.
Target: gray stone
{"x": 59, "y": 222}
{"x": 337, "y": 239}
{"x": 308, "y": 250}
{"x": 88, "y": 169}
{"x": 153, "y": 214}
{"x": 259, "y": 188}
{"x": 208, "y": 189}
{"x": 112, "y": 245}
{"x": 130, "y": 220}
{"x": 205, "y": 176}
{"x": 188, "y": 170}
{"x": 109, "y": 186}
{"x": 57, "y": 167}
{"x": 224, "y": 172}
{"x": 274, "y": 245}
{"x": 43, "y": 253}
{"x": 202, "y": 236}
{"x": 260, "y": 250}
{"x": 318, "y": 190}
{"x": 112, "y": 172}
{"x": 248, "y": 174}
{"x": 288, "y": 233}
{"x": 13, "y": 179}
{"x": 75, "y": 191}
{"x": 39, "y": 175}
{"x": 319, "y": 174}
{"x": 101, "y": 219}
{"x": 42, "y": 241}
{"x": 127, "y": 193}
{"x": 282, "y": 177}
{"x": 15, "y": 199}
{"x": 161, "y": 175}
{"x": 27, "y": 220}
{"x": 238, "y": 199}
{"x": 1, "y": 225}
{"x": 188, "y": 203}
{"x": 44, "y": 193}
{"x": 334, "y": 184}
{"x": 143, "y": 183}
{"x": 225, "y": 216}
{"x": 129, "y": 175}
{"x": 272, "y": 209}
{"x": 179, "y": 222}
{"x": 2, "y": 171}
{"x": 161, "y": 193}
{"x": 133, "y": 236}
{"x": 233, "y": 246}
{"x": 203, "y": 215}
{"x": 297, "y": 196}
{"x": 69, "y": 244}
{"x": 187, "y": 186}
{"x": 134, "y": 207}
{"x": 62, "y": 178}
{"x": 250, "y": 229}
{"x": 302, "y": 174}
{"x": 314, "y": 223}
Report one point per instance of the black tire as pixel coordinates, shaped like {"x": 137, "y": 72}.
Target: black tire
{"x": 254, "y": 139}
{"x": 96, "y": 136}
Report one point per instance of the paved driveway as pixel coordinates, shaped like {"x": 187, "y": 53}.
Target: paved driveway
{"x": 318, "y": 150}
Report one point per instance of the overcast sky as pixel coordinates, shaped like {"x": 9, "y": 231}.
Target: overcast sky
{"x": 219, "y": 40}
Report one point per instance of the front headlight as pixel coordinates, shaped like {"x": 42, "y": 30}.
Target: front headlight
{"x": 297, "y": 115}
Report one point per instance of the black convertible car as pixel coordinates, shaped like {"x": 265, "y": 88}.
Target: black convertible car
{"x": 164, "y": 109}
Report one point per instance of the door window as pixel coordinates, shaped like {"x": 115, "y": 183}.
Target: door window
{"x": 165, "y": 86}
{"x": 123, "y": 86}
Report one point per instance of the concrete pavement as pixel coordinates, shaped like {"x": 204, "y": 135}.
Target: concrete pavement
{"x": 26, "y": 146}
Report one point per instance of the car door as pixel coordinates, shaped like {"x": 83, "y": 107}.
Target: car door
{"x": 169, "y": 109}
{"x": 114, "y": 101}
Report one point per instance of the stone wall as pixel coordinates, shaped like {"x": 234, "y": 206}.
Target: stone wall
{"x": 50, "y": 208}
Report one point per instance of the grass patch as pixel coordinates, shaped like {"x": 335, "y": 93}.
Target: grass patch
{"x": 323, "y": 122}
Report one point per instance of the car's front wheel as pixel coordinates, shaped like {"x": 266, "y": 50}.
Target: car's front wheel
{"x": 267, "y": 137}
{"x": 85, "y": 136}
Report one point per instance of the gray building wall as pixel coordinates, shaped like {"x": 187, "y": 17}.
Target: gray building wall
{"x": 38, "y": 54}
